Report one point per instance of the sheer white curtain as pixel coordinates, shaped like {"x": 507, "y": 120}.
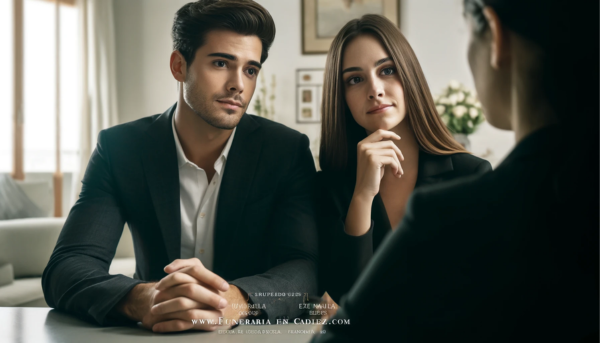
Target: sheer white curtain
{"x": 99, "y": 103}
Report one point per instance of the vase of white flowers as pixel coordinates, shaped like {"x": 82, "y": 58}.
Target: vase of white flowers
{"x": 460, "y": 111}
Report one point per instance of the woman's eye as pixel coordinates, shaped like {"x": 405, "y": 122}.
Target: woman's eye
{"x": 388, "y": 71}
{"x": 252, "y": 71}
{"x": 219, "y": 63}
{"x": 353, "y": 80}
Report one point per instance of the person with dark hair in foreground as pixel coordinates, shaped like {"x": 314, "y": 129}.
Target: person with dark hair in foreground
{"x": 219, "y": 203}
{"x": 511, "y": 255}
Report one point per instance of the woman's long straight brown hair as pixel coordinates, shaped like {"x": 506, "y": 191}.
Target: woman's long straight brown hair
{"x": 339, "y": 131}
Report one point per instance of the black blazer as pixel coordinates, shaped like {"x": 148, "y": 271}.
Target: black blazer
{"x": 265, "y": 231}
{"x": 343, "y": 257}
{"x": 509, "y": 256}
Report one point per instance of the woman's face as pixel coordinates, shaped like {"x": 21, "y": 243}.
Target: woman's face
{"x": 371, "y": 85}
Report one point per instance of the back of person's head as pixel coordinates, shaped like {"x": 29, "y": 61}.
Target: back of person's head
{"x": 566, "y": 35}
{"x": 339, "y": 131}
{"x": 194, "y": 20}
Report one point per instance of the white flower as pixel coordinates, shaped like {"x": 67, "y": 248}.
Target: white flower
{"x": 459, "y": 111}
{"x": 473, "y": 112}
{"x": 454, "y": 84}
{"x": 441, "y": 109}
{"x": 460, "y": 96}
{"x": 471, "y": 100}
{"x": 470, "y": 124}
{"x": 444, "y": 101}
{"x": 445, "y": 119}
{"x": 453, "y": 99}
{"x": 478, "y": 104}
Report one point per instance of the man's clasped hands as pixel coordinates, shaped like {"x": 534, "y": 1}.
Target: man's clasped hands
{"x": 191, "y": 297}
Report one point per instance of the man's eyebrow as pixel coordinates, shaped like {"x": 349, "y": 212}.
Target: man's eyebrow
{"x": 233, "y": 58}
{"x": 378, "y": 63}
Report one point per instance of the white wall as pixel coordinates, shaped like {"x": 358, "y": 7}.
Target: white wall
{"x": 434, "y": 28}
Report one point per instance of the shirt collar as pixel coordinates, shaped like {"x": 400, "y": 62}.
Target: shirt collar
{"x": 182, "y": 160}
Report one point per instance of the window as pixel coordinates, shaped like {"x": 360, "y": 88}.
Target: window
{"x": 6, "y": 86}
{"x": 39, "y": 91}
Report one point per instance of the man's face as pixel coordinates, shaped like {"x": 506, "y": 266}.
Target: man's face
{"x": 221, "y": 80}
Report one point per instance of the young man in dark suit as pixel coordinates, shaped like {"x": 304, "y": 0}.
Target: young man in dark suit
{"x": 219, "y": 197}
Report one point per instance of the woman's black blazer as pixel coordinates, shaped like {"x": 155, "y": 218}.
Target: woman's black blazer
{"x": 342, "y": 256}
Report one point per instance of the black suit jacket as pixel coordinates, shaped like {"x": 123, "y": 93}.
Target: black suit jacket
{"x": 265, "y": 232}
{"x": 343, "y": 257}
{"x": 508, "y": 256}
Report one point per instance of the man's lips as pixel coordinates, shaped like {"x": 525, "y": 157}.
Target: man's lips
{"x": 230, "y": 103}
{"x": 378, "y": 109}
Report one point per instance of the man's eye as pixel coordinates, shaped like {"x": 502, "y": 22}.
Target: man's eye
{"x": 220, "y": 63}
{"x": 252, "y": 71}
{"x": 353, "y": 80}
{"x": 388, "y": 71}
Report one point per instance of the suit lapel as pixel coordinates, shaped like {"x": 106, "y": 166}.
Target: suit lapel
{"x": 432, "y": 168}
{"x": 240, "y": 170}
{"x": 162, "y": 176}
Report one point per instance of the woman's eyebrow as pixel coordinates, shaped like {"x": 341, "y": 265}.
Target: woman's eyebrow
{"x": 378, "y": 63}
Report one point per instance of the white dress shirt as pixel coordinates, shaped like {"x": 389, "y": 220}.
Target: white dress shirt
{"x": 198, "y": 202}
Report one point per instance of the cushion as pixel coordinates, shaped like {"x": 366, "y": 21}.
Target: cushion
{"x": 14, "y": 203}
{"x": 28, "y": 243}
{"x": 40, "y": 192}
{"x": 6, "y": 274}
{"x": 21, "y": 292}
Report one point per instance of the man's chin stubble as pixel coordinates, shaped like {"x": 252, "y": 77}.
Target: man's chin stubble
{"x": 223, "y": 122}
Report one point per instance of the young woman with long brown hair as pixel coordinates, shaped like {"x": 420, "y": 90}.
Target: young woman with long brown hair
{"x": 381, "y": 138}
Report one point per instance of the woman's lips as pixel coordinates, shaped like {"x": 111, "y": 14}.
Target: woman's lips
{"x": 379, "y": 109}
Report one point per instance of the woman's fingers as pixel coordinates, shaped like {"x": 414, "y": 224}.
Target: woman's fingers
{"x": 384, "y": 145}
{"x": 395, "y": 164}
{"x": 384, "y": 157}
{"x": 381, "y": 135}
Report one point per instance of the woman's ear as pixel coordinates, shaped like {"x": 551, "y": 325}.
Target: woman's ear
{"x": 500, "y": 49}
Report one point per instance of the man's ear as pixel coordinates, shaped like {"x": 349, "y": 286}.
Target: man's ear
{"x": 178, "y": 66}
{"x": 500, "y": 55}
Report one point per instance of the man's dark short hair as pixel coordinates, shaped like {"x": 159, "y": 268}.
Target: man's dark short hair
{"x": 195, "y": 19}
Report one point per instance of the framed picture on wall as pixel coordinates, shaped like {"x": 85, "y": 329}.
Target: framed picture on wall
{"x": 323, "y": 19}
{"x": 309, "y": 86}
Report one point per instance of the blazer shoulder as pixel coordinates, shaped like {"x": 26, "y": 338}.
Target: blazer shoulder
{"x": 467, "y": 164}
{"x": 132, "y": 128}
{"x": 454, "y": 199}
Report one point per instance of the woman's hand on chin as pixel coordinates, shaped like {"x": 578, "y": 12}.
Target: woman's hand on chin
{"x": 373, "y": 154}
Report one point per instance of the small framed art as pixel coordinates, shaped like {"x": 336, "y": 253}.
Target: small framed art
{"x": 309, "y": 86}
{"x": 323, "y": 19}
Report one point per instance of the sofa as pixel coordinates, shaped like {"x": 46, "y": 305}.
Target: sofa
{"x": 25, "y": 249}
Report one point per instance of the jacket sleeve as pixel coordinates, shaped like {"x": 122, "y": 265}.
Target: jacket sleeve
{"x": 76, "y": 279}
{"x": 342, "y": 256}
{"x": 295, "y": 249}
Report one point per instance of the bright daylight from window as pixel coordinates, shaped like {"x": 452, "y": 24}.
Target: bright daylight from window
{"x": 40, "y": 87}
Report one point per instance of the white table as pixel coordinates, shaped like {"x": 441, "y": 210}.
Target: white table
{"x": 44, "y": 325}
